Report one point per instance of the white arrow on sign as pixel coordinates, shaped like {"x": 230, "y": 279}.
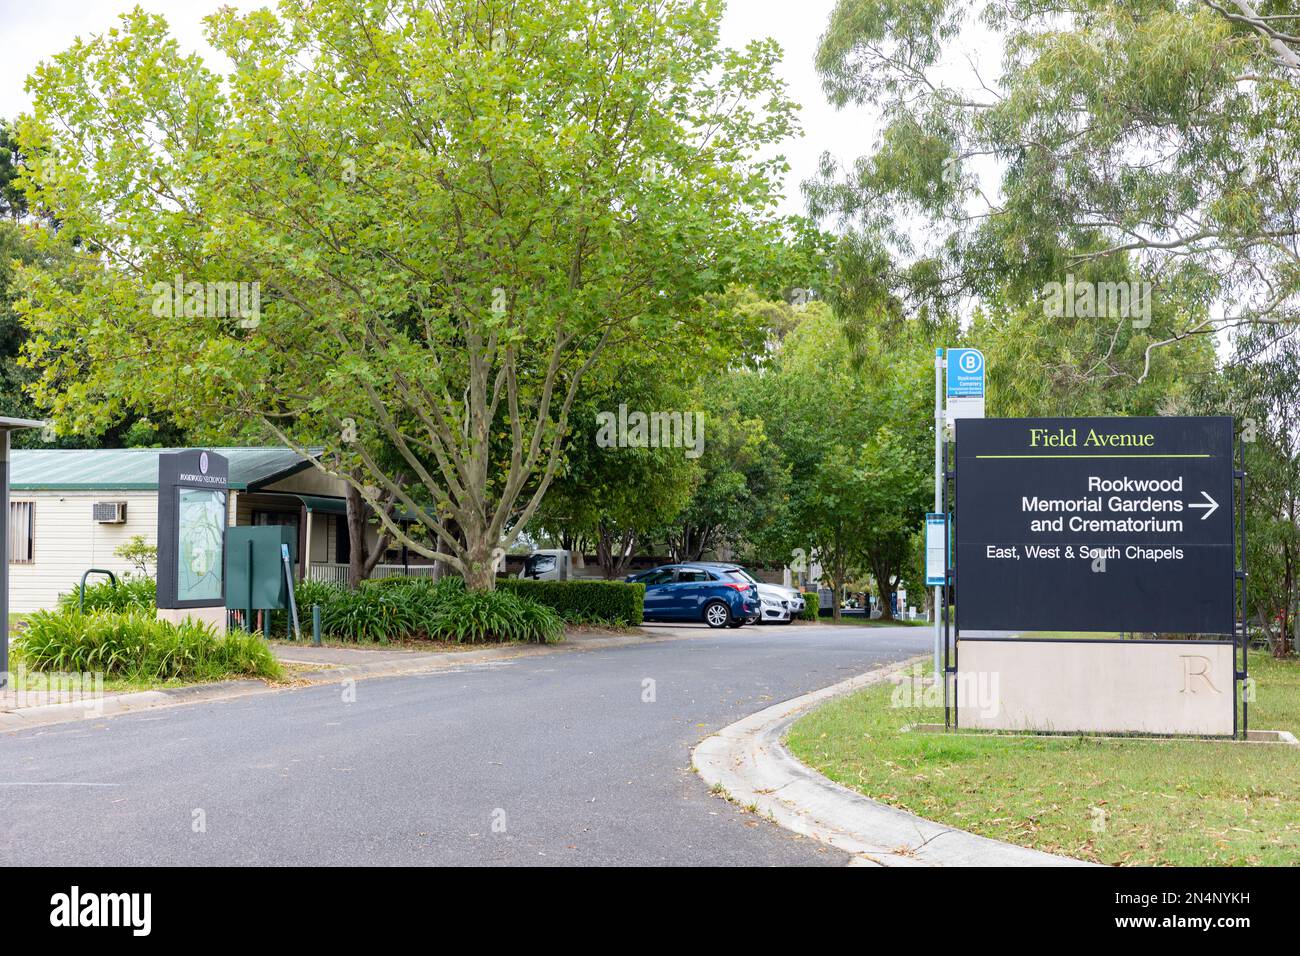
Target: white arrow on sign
{"x": 1211, "y": 508}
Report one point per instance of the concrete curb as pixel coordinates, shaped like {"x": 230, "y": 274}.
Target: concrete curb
{"x": 111, "y": 705}
{"x": 750, "y": 764}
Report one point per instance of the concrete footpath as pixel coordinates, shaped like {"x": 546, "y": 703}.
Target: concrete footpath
{"x": 749, "y": 764}
{"x": 306, "y": 665}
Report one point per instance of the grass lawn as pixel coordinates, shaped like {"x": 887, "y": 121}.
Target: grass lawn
{"x": 1134, "y": 802}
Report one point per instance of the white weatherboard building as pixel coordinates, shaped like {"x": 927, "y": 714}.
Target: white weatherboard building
{"x": 70, "y": 509}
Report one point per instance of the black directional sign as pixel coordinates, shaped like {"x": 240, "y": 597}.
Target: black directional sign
{"x": 1095, "y": 524}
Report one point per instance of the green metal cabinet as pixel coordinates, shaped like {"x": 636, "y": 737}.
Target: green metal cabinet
{"x": 254, "y": 568}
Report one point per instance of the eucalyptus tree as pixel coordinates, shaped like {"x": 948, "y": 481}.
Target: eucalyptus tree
{"x": 1150, "y": 140}
{"x": 1260, "y": 387}
{"x": 450, "y": 210}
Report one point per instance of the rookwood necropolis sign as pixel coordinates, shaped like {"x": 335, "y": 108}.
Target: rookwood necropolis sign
{"x": 1102, "y": 525}
{"x": 192, "y": 530}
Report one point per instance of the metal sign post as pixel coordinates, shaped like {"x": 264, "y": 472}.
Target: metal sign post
{"x": 7, "y": 425}
{"x": 938, "y": 500}
{"x": 965, "y": 399}
{"x": 287, "y": 560}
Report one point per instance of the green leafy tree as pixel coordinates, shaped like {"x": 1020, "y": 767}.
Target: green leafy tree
{"x": 16, "y": 251}
{"x": 19, "y": 251}
{"x": 452, "y": 211}
{"x": 1045, "y": 365}
{"x": 613, "y": 494}
{"x": 1258, "y": 387}
{"x": 1152, "y": 138}
{"x": 13, "y": 204}
{"x": 742, "y": 483}
{"x": 850, "y": 416}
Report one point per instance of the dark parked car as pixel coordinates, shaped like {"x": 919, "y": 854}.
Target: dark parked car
{"x": 720, "y": 595}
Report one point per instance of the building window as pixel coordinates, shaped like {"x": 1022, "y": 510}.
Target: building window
{"x": 21, "y": 543}
{"x": 287, "y": 519}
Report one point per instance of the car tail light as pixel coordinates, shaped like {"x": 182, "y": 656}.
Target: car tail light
{"x": 738, "y": 587}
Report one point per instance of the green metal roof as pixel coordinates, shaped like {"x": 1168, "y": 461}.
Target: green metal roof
{"x": 323, "y": 505}
{"x": 136, "y": 469}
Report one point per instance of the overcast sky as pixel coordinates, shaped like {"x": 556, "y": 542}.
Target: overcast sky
{"x": 36, "y": 29}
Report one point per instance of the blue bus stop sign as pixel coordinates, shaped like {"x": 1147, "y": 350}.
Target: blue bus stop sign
{"x": 965, "y": 383}
{"x": 965, "y": 373}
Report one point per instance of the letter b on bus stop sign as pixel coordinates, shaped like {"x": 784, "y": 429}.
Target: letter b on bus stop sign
{"x": 965, "y": 384}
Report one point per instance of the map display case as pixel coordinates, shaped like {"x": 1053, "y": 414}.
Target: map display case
{"x": 192, "y": 519}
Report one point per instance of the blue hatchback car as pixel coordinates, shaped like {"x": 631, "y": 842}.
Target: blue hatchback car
{"x": 720, "y": 595}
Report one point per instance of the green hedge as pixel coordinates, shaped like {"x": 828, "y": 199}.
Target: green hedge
{"x": 400, "y": 609}
{"x": 579, "y": 602}
{"x": 812, "y": 608}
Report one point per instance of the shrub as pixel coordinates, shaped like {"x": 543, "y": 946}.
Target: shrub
{"x": 579, "y": 602}
{"x": 812, "y": 608}
{"x": 474, "y": 616}
{"x": 380, "y": 611}
{"x": 130, "y": 593}
{"x": 377, "y": 614}
{"x": 137, "y": 645}
{"x": 307, "y": 593}
{"x": 142, "y": 555}
{"x": 391, "y": 609}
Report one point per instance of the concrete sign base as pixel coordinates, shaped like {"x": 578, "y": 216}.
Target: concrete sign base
{"x": 1073, "y": 686}
{"x": 214, "y": 617}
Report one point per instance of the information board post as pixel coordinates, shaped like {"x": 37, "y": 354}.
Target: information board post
{"x": 7, "y": 425}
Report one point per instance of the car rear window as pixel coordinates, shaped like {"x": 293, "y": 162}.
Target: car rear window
{"x": 736, "y": 574}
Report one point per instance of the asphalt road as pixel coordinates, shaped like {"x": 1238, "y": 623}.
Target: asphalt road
{"x": 557, "y": 759}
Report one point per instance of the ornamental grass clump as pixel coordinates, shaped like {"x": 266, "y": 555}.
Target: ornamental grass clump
{"x": 136, "y": 645}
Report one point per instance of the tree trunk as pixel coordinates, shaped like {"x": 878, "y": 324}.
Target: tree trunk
{"x": 480, "y": 559}
{"x": 886, "y": 596}
{"x": 837, "y": 588}
{"x": 361, "y": 564}
{"x": 613, "y": 551}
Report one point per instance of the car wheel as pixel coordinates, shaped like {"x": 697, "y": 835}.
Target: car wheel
{"x": 717, "y": 614}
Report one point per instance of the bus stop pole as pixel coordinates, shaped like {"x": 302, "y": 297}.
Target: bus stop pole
{"x": 938, "y": 492}
{"x": 4, "y": 564}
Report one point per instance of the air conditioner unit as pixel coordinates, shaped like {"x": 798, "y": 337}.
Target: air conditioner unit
{"x": 110, "y": 512}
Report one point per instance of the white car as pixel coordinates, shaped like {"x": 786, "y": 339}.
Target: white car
{"x": 779, "y": 604}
